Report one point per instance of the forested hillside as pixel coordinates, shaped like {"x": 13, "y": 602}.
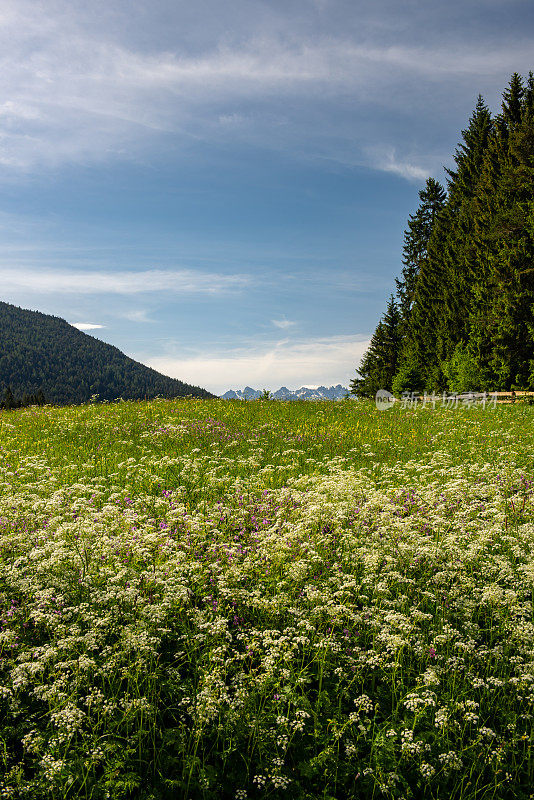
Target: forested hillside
{"x": 462, "y": 315}
{"x": 41, "y": 353}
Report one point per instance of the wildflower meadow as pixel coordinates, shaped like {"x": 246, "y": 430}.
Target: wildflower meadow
{"x": 204, "y": 599}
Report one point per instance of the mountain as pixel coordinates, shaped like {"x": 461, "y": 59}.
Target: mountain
{"x": 246, "y": 394}
{"x": 338, "y": 392}
{"x": 41, "y": 352}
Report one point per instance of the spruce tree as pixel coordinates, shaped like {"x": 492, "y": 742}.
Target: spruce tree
{"x": 466, "y": 294}
{"x": 417, "y": 290}
{"x": 501, "y": 340}
{"x": 9, "y": 400}
{"x": 379, "y": 364}
{"x": 416, "y": 239}
{"x": 513, "y": 246}
{"x": 441, "y": 295}
{"x": 453, "y": 252}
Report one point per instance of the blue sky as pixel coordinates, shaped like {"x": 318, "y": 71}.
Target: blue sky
{"x": 221, "y": 188}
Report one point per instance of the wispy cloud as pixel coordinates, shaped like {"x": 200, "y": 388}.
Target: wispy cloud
{"x": 326, "y": 360}
{"x": 86, "y": 326}
{"x": 122, "y": 282}
{"x": 141, "y": 315}
{"x": 386, "y": 158}
{"x": 283, "y": 323}
{"x": 75, "y": 91}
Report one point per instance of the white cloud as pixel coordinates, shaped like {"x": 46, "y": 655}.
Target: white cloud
{"x": 77, "y": 91}
{"x": 121, "y": 282}
{"x": 416, "y": 167}
{"x": 137, "y": 316}
{"x": 308, "y": 362}
{"x": 283, "y": 323}
{"x": 86, "y": 326}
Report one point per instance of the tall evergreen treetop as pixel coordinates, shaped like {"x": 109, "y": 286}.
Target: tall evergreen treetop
{"x": 469, "y": 154}
{"x": 512, "y": 100}
{"x": 416, "y": 239}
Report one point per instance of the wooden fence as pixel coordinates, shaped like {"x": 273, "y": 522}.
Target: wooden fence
{"x": 490, "y": 397}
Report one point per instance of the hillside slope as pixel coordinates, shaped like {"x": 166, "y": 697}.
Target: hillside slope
{"x": 38, "y": 351}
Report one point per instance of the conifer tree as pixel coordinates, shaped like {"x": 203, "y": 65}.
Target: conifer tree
{"x": 416, "y": 239}
{"x": 9, "y": 399}
{"x": 466, "y": 293}
{"x": 506, "y": 244}
{"x": 453, "y": 252}
{"x": 416, "y": 289}
{"x": 379, "y": 363}
{"x": 441, "y": 301}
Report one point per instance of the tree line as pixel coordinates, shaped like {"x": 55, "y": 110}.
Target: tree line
{"x": 462, "y": 315}
{"x": 9, "y": 401}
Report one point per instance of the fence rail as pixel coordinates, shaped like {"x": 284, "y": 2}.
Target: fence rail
{"x": 502, "y": 397}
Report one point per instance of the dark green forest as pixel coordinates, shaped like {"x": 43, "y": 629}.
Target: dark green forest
{"x": 44, "y": 359}
{"x": 462, "y": 315}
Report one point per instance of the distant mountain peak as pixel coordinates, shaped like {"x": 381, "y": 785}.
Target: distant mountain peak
{"x": 338, "y": 392}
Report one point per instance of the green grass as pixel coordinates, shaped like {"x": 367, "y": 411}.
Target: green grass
{"x": 210, "y": 599}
